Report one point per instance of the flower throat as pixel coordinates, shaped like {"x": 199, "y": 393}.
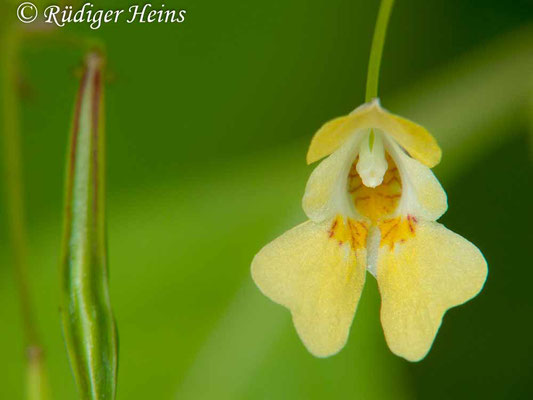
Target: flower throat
{"x": 379, "y": 201}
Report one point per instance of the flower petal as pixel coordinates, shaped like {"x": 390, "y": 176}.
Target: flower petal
{"x": 326, "y": 193}
{"x": 327, "y": 139}
{"x": 419, "y": 280}
{"x": 319, "y": 279}
{"x": 335, "y": 132}
{"x": 412, "y": 137}
{"x": 418, "y": 142}
{"x": 423, "y": 195}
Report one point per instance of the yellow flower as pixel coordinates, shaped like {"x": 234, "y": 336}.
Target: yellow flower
{"x": 372, "y": 205}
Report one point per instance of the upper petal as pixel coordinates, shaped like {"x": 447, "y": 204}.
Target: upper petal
{"x": 419, "y": 280}
{"x": 326, "y": 193}
{"x": 327, "y": 139}
{"x": 318, "y": 279}
{"x": 418, "y": 142}
{"x": 335, "y": 132}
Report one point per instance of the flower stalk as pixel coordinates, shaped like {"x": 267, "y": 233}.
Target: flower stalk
{"x": 376, "y": 52}
{"x": 88, "y": 321}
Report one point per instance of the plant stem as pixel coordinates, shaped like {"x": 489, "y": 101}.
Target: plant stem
{"x": 36, "y": 375}
{"x": 376, "y": 51}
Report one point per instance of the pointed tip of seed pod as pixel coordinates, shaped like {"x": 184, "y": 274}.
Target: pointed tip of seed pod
{"x": 94, "y": 59}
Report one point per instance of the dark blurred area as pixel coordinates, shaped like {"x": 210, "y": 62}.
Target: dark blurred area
{"x": 485, "y": 348}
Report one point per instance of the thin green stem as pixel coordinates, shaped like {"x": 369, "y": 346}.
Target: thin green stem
{"x": 9, "y": 44}
{"x": 376, "y": 51}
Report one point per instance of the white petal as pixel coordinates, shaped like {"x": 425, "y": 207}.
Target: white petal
{"x": 422, "y": 194}
{"x": 326, "y": 193}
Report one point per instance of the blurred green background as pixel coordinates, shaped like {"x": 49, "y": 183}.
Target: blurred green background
{"x": 208, "y": 124}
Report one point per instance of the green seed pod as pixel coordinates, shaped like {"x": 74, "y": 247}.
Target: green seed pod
{"x": 88, "y": 322}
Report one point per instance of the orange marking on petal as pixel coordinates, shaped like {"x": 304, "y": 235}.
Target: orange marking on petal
{"x": 347, "y": 230}
{"x": 397, "y": 230}
{"x": 393, "y": 179}
{"x": 390, "y": 230}
{"x": 332, "y": 229}
{"x": 355, "y": 189}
